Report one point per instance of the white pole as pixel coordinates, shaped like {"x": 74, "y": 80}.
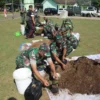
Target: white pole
{"x": 65, "y": 3}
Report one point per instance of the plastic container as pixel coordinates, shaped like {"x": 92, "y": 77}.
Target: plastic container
{"x": 22, "y": 27}
{"x": 22, "y": 78}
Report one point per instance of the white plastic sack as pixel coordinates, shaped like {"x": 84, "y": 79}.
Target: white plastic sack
{"x": 64, "y": 94}
{"x": 22, "y": 29}
{"x": 64, "y": 14}
{"x": 77, "y": 35}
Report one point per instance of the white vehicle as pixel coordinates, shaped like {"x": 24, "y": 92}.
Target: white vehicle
{"x": 60, "y": 11}
{"x": 90, "y": 11}
{"x": 98, "y": 14}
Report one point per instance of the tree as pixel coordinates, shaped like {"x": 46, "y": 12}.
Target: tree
{"x": 84, "y": 2}
{"x": 96, "y": 3}
{"x": 38, "y": 1}
{"x": 2, "y": 2}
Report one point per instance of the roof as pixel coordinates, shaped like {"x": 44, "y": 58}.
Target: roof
{"x": 70, "y": 2}
{"x": 49, "y": 1}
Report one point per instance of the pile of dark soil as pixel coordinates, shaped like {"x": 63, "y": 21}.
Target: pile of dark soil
{"x": 81, "y": 76}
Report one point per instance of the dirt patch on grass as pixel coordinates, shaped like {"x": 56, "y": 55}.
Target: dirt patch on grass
{"x": 81, "y": 76}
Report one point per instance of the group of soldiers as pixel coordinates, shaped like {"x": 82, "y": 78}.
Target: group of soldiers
{"x": 62, "y": 43}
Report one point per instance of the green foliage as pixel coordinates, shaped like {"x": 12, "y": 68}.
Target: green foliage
{"x": 84, "y": 2}
{"x": 38, "y": 1}
{"x": 2, "y": 2}
{"x": 96, "y": 3}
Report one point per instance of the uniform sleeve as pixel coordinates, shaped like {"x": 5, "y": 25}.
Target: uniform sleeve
{"x": 32, "y": 58}
{"x": 64, "y": 44}
{"x": 53, "y": 49}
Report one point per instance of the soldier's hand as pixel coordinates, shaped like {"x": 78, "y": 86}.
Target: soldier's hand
{"x": 46, "y": 83}
{"x": 63, "y": 58}
{"x": 55, "y": 75}
{"x": 63, "y": 66}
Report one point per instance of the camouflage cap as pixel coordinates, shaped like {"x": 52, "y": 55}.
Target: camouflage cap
{"x": 69, "y": 23}
{"x": 45, "y": 48}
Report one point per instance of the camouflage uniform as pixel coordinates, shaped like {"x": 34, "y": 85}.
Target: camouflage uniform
{"x": 22, "y": 14}
{"x": 48, "y": 28}
{"x": 71, "y": 42}
{"x": 27, "y": 57}
{"x": 37, "y": 22}
{"x": 57, "y": 48}
{"x": 67, "y": 23}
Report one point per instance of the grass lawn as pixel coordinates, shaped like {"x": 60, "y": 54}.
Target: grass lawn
{"x": 1, "y": 16}
{"x": 9, "y": 44}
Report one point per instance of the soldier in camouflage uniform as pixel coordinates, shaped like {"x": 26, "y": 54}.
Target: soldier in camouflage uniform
{"x": 37, "y": 21}
{"x": 48, "y": 27}
{"x": 67, "y": 23}
{"x": 58, "y": 50}
{"x": 22, "y": 14}
{"x": 71, "y": 41}
{"x": 33, "y": 58}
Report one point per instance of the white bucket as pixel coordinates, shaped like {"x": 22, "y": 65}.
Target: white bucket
{"x": 22, "y": 29}
{"x": 22, "y": 78}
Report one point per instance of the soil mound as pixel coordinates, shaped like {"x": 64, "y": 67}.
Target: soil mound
{"x": 82, "y": 76}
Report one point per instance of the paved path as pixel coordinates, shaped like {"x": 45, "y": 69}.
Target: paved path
{"x": 74, "y": 17}
{"x": 17, "y": 15}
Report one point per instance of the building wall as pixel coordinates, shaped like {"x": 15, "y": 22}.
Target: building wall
{"x": 49, "y": 4}
{"x": 62, "y": 6}
{"x": 27, "y": 3}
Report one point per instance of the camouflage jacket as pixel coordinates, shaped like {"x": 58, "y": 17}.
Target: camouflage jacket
{"x": 70, "y": 40}
{"x": 58, "y": 50}
{"x": 27, "y": 57}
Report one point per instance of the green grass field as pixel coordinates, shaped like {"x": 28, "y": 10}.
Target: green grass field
{"x": 89, "y": 44}
{"x": 1, "y": 16}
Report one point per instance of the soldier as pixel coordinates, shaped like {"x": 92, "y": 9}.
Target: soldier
{"x": 45, "y": 20}
{"x": 70, "y": 39}
{"x": 48, "y": 27}
{"x": 37, "y": 22}
{"x": 33, "y": 58}
{"x": 22, "y": 14}
{"x": 67, "y": 23}
{"x": 58, "y": 50}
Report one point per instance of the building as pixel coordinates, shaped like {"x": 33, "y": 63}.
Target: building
{"x": 26, "y": 3}
{"x": 58, "y": 4}
{"x": 49, "y": 4}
